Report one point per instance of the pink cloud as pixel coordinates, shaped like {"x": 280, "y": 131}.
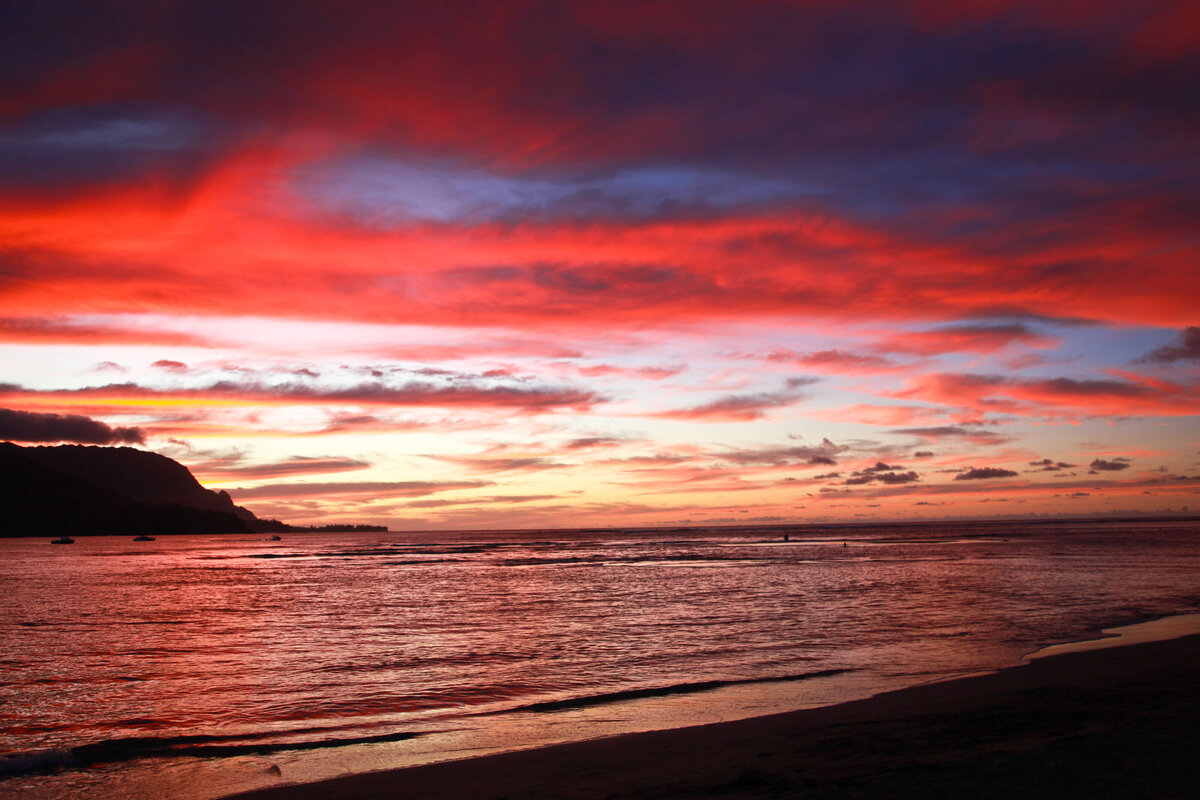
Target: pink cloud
{"x": 836, "y": 362}
{"x": 361, "y": 489}
{"x": 295, "y": 465}
{"x": 496, "y": 466}
{"x": 869, "y": 414}
{"x": 742, "y": 407}
{"x": 649, "y": 373}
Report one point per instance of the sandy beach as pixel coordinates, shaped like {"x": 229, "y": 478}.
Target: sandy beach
{"x": 1116, "y": 722}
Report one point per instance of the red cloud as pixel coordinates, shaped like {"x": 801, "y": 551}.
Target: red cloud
{"x": 493, "y": 347}
{"x": 217, "y": 223}
{"x": 40, "y": 330}
{"x": 123, "y": 252}
{"x": 969, "y": 338}
{"x": 1055, "y": 396}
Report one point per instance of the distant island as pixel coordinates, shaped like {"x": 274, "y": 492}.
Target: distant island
{"x": 80, "y": 491}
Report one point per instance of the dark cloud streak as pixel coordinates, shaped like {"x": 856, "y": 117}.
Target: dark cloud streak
{"x": 458, "y": 393}
{"x": 1187, "y": 349}
{"x": 32, "y": 426}
{"x": 985, "y": 473}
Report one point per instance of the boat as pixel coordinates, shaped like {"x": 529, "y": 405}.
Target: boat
{"x": 63, "y": 540}
{"x": 275, "y": 539}
{"x": 143, "y": 538}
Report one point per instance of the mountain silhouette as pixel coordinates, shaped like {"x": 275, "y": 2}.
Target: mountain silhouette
{"x": 77, "y": 490}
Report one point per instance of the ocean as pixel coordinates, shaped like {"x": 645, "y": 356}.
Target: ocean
{"x": 191, "y": 667}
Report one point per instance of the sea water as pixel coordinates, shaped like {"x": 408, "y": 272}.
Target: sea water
{"x": 195, "y": 666}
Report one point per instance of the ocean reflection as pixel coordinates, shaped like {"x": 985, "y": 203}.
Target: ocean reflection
{"x": 327, "y": 650}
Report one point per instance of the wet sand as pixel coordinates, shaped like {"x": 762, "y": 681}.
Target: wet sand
{"x": 1117, "y": 722}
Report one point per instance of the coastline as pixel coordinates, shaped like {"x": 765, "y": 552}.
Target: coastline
{"x": 1105, "y": 721}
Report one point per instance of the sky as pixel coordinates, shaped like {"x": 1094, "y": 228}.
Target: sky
{"x": 545, "y": 264}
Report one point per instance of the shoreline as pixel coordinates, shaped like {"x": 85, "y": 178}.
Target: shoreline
{"x": 1109, "y": 717}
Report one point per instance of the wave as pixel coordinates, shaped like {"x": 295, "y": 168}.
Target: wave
{"x": 196, "y": 746}
{"x": 470, "y": 659}
{"x": 603, "y": 559}
{"x": 399, "y": 549}
{"x": 390, "y": 703}
{"x": 661, "y": 691}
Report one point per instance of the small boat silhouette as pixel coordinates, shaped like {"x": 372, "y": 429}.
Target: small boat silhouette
{"x": 63, "y": 540}
{"x": 275, "y": 539}
{"x": 143, "y": 538}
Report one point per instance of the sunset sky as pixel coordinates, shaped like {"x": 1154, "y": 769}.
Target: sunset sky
{"x": 548, "y": 264}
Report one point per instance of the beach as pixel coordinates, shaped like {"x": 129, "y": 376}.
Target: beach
{"x": 1114, "y": 722}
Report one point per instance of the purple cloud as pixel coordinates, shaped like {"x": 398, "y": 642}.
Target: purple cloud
{"x": 1186, "y": 349}
{"x": 985, "y": 473}
{"x": 743, "y": 407}
{"x": 1115, "y": 465}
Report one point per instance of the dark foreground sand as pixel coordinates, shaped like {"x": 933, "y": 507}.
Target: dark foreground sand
{"x": 1122, "y": 722}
